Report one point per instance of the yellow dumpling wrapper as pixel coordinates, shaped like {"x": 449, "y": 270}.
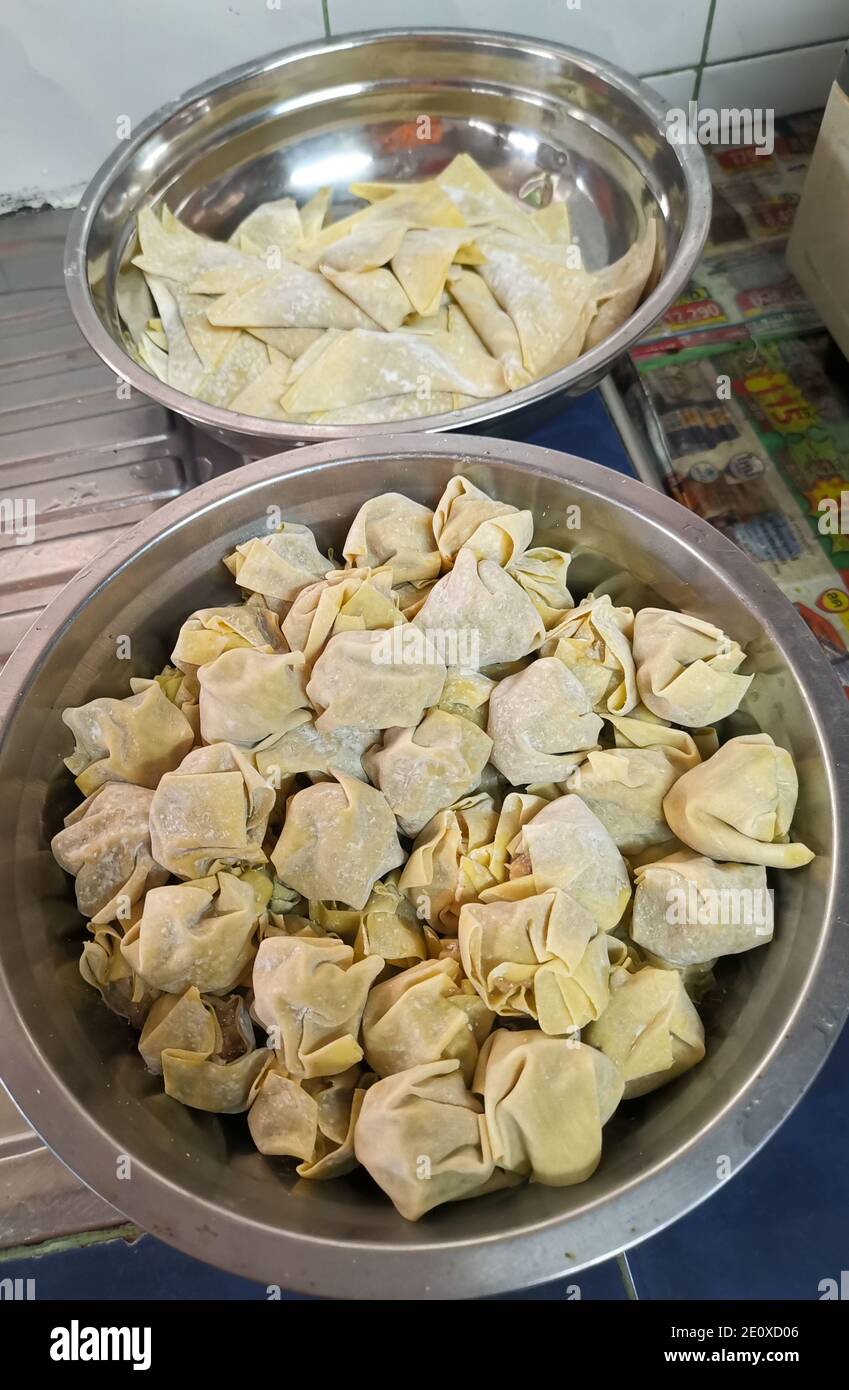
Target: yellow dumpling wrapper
{"x": 106, "y": 846}
{"x": 248, "y": 697}
{"x": 136, "y": 739}
{"x": 541, "y": 723}
{"x": 368, "y": 680}
{"x": 686, "y": 668}
{"x": 280, "y": 564}
{"x": 650, "y": 1030}
{"x": 688, "y": 909}
{"x": 439, "y": 875}
{"x": 210, "y": 812}
{"x": 594, "y": 641}
{"x": 421, "y": 770}
{"x": 377, "y": 292}
{"x": 197, "y": 934}
{"x": 425, "y": 1014}
{"x": 395, "y": 531}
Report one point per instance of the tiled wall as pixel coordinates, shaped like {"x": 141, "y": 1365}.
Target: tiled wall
{"x": 69, "y": 71}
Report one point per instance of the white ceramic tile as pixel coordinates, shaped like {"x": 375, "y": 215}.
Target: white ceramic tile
{"x": 741, "y": 27}
{"x": 797, "y": 80}
{"x": 676, "y": 88}
{"x": 640, "y": 35}
{"x": 69, "y": 71}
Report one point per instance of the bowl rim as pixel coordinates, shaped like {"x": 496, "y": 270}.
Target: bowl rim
{"x": 505, "y": 1260}
{"x": 221, "y": 420}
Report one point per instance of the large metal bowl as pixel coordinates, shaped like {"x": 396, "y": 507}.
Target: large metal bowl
{"x": 329, "y": 113}
{"x": 194, "y": 1178}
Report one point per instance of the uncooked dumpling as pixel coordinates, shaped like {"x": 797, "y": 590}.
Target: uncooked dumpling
{"x": 688, "y": 909}
{"x": 650, "y": 1030}
{"x": 541, "y": 723}
{"x": 739, "y": 805}
{"x": 594, "y": 641}
{"x": 136, "y": 739}
{"x": 625, "y": 788}
{"x": 441, "y": 873}
{"x": 686, "y": 668}
{"x": 364, "y": 680}
{"x": 395, "y": 531}
{"x": 338, "y": 839}
{"x": 423, "y": 769}
{"x": 106, "y": 846}
{"x": 210, "y": 812}
{"x": 309, "y": 995}
{"x": 307, "y": 749}
{"x": 479, "y": 602}
{"x": 344, "y": 601}
{"x": 247, "y": 697}
{"x": 546, "y": 1101}
{"x": 197, "y": 934}
{"x": 492, "y": 530}
{"x": 428, "y": 1013}
{"x": 280, "y": 564}
{"x": 210, "y": 631}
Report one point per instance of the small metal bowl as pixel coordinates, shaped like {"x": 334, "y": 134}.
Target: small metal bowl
{"x": 547, "y": 122}
{"x": 195, "y": 1179}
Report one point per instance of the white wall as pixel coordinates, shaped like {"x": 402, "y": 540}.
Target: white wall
{"x": 69, "y": 69}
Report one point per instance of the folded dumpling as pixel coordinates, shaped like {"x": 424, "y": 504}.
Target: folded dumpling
{"x": 210, "y": 631}
{"x": 280, "y": 564}
{"x": 496, "y": 330}
{"x": 199, "y": 933}
{"x": 440, "y": 874}
{"x": 540, "y": 958}
{"x": 106, "y": 846}
{"x": 428, "y": 1013}
{"x": 625, "y": 789}
{"x": 421, "y": 1136}
{"x": 650, "y": 1030}
{"x": 546, "y": 1101}
{"x": 541, "y": 723}
{"x": 479, "y": 599}
{"x": 184, "y": 1021}
{"x": 565, "y": 846}
{"x": 338, "y": 839}
{"x": 247, "y": 696}
{"x": 207, "y": 1083}
{"x": 309, "y": 995}
{"x": 542, "y": 571}
{"x": 422, "y": 261}
{"x": 388, "y": 927}
{"x": 212, "y": 811}
{"x": 397, "y": 532}
{"x": 376, "y": 292}
{"x": 367, "y": 680}
{"x": 307, "y": 749}
{"x": 618, "y": 288}
{"x": 136, "y": 739}
{"x": 739, "y": 805}
{"x": 356, "y": 600}
{"x": 688, "y": 909}
{"x": 423, "y": 769}
{"x": 370, "y": 365}
{"x": 594, "y": 641}
{"x": 686, "y": 668}
{"x": 313, "y": 1120}
{"x": 492, "y": 530}
{"x": 104, "y": 968}
{"x": 290, "y": 297}
{"x": 491, "y": 859}
{"x": 466, "y": 693}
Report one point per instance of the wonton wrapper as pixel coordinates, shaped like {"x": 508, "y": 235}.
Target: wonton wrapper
{"x": 541, "y": 572}
{"x": 422, "y": 260}
{"x": 685, "y": 668}
{"x": 618, "y": 288}
{"x": 421, "y": 1136}
{"x": 594, "y": 641}
{"x": 356, "y": 600}
{"x": 338, "y": 839}
{"x": 688, "y": 909}
{"x": 550, "y": 301}
{"x": 103, "y": 967}
{"x": 362, "y": 680}
{"x": 291, "y": 297}
{"x": 546, "y": 1101}
{"x": 211, "y": 811}
{"x": 423, "y": 769}
{"x": 439, "y": 875}
{"x": 388, "y": 927}
{"x": 425, "y": 1014}
{"x": 306, "y": 749}
{"x": 199, "y": 934}
{"x": 492, "y": 530}
{"x": 106, "y": 846}
{"x": 739, "y": 805}
{"x": 224, "y": 1088}
{"x": 182, "y": 1021}
{"x": 136, "y": 739}
{"x": 477, "y": 598}
{"x": 650, "y": 1030}
{"x": 369, "y": 365}
{"x": 395, "y": 531}
{"x": 625, "y": 788}
{"x": 309, "y": 995}
{"x": 279, "y": 565}
{"x": 565, "y": 846}
{"x": 210, "y": 631}
{"x": 313, "y": 1120}
{"x": 496, "y": 330}
{"x": 466, "y": 694}
{"x": 248, "y": 696}
{"x": 541, "y": 958}
{"x": 541, "y": 722}
{"x": 274, "y": 224}
{"x": 376, "y": 292}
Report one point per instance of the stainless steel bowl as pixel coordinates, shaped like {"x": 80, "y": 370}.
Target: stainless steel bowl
{"x": 329, "y": 113}
{"x": 194, "y": 1178}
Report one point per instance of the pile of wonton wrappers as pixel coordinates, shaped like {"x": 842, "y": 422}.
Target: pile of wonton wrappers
{"x": 432, "y": 297}
{"x": 409, "y": 915}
